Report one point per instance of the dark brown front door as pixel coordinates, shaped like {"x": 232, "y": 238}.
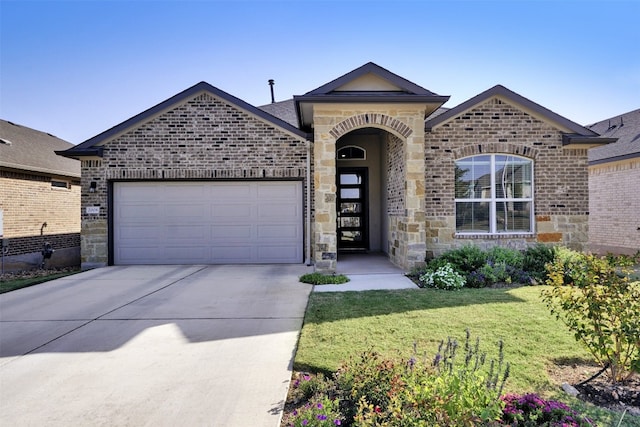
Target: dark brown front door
{"x": 353, "y": 231}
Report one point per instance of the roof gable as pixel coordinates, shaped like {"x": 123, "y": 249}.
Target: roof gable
{"x": 369, "y": 83}
{"x": 370, "y": 78}
{"x": 499, "y": 91}
{"x": 92, "y": 146}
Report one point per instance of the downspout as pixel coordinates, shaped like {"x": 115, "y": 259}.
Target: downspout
{"x": 308, "y": 214}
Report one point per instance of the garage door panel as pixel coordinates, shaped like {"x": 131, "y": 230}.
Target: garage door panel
{"x": 185, "y": 211}
{"x": 278, "y": 232}
{"x": 208, "y": 222}
{"x": 188, "y": 233}
{"x": 278, "y": 254}
{"x": 227, "y": 191}
{"x": 234, "y": 212}
{"x": 278, "y": 212}
{"x": 187, "y": 254}
{"x": 231, "y": 232}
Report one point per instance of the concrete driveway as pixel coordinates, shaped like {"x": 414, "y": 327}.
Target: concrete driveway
{"x": 151, "y": 345}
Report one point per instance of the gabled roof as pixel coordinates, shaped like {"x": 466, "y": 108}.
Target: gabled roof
{"x": 93, "y": 146}
{"x": 574, "y": 133}
{"x": 31, "y": 150}
{"x": 626, "y": 129}
{"x": 369, "y": 83}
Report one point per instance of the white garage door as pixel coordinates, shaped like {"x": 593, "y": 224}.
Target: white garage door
{"x": 207, "y": 222}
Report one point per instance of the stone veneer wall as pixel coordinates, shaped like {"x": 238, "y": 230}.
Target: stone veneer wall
{"x": 561, "y": 193}
{"x": 203, "y": 138}
{"x": 406, "y": 122}
{"x": 614, "y": 207}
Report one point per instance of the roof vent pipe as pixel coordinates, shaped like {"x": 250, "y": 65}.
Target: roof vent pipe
{"x": 271, "y": 83}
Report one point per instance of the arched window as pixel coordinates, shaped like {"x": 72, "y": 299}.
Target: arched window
{"x": 494, "y": 194}
{"x": 351, "y": 152}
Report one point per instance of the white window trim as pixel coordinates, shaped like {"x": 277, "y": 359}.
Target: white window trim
{"x": 493, "y": 201}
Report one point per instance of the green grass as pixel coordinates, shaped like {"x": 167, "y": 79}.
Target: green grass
{"x": 339, "y": 325}
{"x": 324, "y": 279}
{"x": 12, "y": 285}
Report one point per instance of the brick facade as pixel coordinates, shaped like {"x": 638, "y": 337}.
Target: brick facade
{"x": 28, "y": 201}
{"x": 561, "y": 198}
{"x": 205, "y": 134}
{"x": 613, "y": 219}
{"x": 203, "y": 138}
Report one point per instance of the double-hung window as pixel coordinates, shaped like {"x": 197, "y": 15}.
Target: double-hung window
{"x": 494, "y": 194}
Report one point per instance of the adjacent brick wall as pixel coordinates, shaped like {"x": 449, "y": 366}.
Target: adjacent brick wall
{"x": 396, "y": 172}
{"x": 28, "y": 201}
{"x": 203, "y": 138}
{"x": 614, "y": 206}
{"x": 560, "y": 175}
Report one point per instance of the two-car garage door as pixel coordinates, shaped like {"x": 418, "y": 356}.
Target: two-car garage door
{"x": 203, "y": 222}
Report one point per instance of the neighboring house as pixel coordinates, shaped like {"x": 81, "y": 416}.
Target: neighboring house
{"x": 204, "y": 177}
{"x": 39, "y": 199}
{"x": 614, "y": 186}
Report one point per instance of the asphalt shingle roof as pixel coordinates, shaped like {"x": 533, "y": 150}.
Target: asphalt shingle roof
{"x": 28, "y": 149}
{"x": 625, "y": 127}
{"x": 284, "y": 110}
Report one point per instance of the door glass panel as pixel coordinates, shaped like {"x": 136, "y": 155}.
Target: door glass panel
{"x": 350, "y": 207}
{"x": 350, "y": 193}
{"x": 350, "y": 179}
{"x": 350, "y": 221}
{"x": 351, "y": 236}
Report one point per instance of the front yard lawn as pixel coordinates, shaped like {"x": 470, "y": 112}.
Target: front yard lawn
{"x": 12, "y": 281}
{"x": 538, "y": 347}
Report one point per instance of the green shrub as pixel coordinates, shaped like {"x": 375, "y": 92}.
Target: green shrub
{"x": 465, "y": 259}
{"x": 324, "y": 279}
{"x": 444, "y": 277}
{"x": 535, "y": 260}
{"x": 506, "y": 256}
{"x": 597, "y": 300}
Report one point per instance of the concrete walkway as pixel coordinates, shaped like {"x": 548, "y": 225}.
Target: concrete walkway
{"x": 151, "y": 346}
{"x": 368, "y": 272}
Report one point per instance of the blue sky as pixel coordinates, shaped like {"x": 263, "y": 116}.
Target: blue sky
{"x": 77, "y": 68}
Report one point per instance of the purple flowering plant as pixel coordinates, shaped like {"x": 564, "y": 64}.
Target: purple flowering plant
{"x": 531, "y": 410}
{"x": 316, "y": 414}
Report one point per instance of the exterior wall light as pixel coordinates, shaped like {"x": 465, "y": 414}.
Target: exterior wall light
{"x": 93, "y": 186}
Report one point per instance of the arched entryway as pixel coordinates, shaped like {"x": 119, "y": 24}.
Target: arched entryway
{"x": 369, "y": 187}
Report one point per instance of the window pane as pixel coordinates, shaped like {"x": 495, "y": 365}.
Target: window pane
{"x": 512, "y": 177}
{"x": 473, "y": 177}
{"x": 350, "y": 193}
{"x": 472, "y": 217}
{"x": 350, "y": 179}
{"x": 513, "y": 217}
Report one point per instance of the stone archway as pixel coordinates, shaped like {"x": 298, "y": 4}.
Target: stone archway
{"x": 406, "y": 231}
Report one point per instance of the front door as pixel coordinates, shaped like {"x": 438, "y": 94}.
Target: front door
{"x": 353, "y": 231}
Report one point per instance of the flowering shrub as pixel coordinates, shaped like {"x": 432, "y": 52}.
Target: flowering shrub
{"x": 421, "y": 391}
{"x": 531, "y": 410}
{"x": 316, "y": 413}
{"x": 445, "y": 277}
